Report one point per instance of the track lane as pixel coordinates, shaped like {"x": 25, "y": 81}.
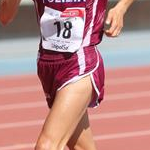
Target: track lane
{"x": 127, "y": 114}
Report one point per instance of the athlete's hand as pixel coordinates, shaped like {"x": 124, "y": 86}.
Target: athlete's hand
{"x": 114, "y": 21}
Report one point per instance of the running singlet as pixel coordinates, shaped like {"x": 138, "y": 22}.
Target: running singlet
{"x": 67, "y": 25}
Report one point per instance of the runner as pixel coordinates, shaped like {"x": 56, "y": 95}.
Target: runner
{"x": 70, "y": 67}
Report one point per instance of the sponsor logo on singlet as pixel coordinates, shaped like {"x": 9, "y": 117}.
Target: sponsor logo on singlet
{"x": 63, "y": 1}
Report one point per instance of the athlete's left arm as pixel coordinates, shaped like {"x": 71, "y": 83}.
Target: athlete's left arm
{"x": 115, "y": 17}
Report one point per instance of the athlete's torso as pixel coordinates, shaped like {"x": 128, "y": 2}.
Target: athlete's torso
{"x": 66, "y": 25}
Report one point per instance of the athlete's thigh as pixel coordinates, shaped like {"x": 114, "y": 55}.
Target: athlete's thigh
{"x": 69, "y": 105}
{"x": 82, "y": 138}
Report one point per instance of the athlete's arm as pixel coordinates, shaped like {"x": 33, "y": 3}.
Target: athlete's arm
{"x": 8, "y": 10}
{"x": 115, "y": 17}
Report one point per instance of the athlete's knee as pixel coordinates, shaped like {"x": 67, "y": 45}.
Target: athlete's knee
{"x": 48, "y": 143}
{"x": 44, "y": 143}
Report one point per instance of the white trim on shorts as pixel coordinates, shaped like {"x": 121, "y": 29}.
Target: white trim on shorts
{"x": 78, "y": 77}
{"x": 96, "y": 90}
{"x": 81, "y": 60}
{"x": 87, "y": 38}
{"x": 94, "y": 84}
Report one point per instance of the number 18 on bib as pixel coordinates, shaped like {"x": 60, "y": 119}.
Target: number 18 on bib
{"x": 62, "y": 31}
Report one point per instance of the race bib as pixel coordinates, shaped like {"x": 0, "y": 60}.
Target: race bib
{"x": 62, "y": 31}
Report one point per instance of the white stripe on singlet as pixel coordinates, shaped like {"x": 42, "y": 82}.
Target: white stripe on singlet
{"x": 86, "y": 41}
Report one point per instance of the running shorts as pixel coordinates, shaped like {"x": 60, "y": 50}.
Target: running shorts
{"x": 57, "y": 69}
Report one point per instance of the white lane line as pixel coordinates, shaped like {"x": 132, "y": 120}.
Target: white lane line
{"x": 126, "y": 80}
{"x": 96, "y": 138}
{"x": 110, "y": 115}
{"x": 122, "y": 135}
{"x": 92, "y": 117}
{"x": 22, "y": 89}
{"x": 22, "y": 124}
{"x": 18, "y": 146}
{"x": 109, "y": 97}
{"x": 108, "y": 82}
{"x": 129, "y": 95}
{"x": 23, "y": 105}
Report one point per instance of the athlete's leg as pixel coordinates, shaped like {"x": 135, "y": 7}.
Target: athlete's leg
{"x": 69, "y": 106}
{"x": 82, "y": 138}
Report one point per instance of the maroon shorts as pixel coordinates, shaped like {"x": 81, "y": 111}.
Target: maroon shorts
{"x": 56, "y": 70}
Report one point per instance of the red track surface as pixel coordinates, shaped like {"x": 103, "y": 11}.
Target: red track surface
{"x": 121, "y": 122}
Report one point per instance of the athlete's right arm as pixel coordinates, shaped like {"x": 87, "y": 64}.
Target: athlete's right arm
{"x": 8, "y": 10}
